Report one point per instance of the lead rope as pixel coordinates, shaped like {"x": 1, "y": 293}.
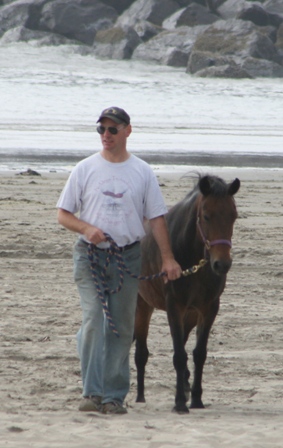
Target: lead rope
{"x": 98, "y": 278}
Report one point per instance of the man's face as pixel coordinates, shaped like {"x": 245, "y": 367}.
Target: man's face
{"x": 114, "y": 142}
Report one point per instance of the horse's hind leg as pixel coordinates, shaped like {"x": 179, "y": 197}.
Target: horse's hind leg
{"x": 199, "y": 354}
{"x": 143, "y": 316}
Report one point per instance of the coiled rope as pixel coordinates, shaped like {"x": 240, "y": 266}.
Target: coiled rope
{"x": 100, "y": 278}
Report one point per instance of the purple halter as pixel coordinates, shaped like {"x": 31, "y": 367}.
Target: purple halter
{"x": 208, "y": 243}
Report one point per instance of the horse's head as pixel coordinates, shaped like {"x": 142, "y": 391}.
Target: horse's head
{"x": 216, "y": 216}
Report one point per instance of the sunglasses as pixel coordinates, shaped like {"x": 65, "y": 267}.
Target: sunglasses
{"x": 101, "y": 129}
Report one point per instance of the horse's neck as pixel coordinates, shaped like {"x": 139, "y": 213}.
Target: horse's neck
{"x": 183, "y": 229}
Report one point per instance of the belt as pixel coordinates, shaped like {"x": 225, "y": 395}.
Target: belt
{"x": 129, "y": 246}
{"x": 122, "y": 249}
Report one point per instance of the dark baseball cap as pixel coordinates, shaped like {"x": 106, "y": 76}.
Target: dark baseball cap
{"x": 116, "y": 114}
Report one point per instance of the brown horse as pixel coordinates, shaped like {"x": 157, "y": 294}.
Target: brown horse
{"x": 200, "y": 227}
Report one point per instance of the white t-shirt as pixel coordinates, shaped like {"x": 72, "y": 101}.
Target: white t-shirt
{"x": 115, "y": 197}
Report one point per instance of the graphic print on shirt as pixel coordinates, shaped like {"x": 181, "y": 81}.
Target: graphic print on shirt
{"x": 114, "y": 195}
{"x": 116, "y": 203}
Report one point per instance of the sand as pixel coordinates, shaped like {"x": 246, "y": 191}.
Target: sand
{"x": 40, "y": 314}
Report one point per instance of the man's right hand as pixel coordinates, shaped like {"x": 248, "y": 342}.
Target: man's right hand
{"x": 94, "y": 234}
{"x": 71, "y": 222}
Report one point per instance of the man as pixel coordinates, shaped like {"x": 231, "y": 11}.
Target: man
{"x": 113, "y": 191}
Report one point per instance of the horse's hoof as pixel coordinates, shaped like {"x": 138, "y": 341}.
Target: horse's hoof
{"x": 196, "y": 404}
{"x": 140, "y": 400}
{"x": 181, "y": 409}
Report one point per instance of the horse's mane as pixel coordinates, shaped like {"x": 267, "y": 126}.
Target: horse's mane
{"x": 218, "y": 187}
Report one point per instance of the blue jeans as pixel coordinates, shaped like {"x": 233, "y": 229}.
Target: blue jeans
{"x": 104, "y": 356}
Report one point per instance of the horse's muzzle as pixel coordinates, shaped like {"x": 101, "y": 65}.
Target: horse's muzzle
{"x": 221, "y": 267}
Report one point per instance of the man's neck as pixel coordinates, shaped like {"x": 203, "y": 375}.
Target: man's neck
{"x": 115, "y": 158}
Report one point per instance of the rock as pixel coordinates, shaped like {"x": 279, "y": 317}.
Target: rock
{"x": 193, "y": 15}
{"x": 224, "y": 71}
{"x": 183, "y": 3}
{"x": 29, "y": 172}
{"x": 275, "y": 6}
{"x": 231, "y": 8}
{"x": 154, "y": 11}
{"x": 177, "y": 58}
{"x": 169, "y": 45}
{"x": 119, "y": 5}
{"x": 237, "y": 38}
{"x": 279, "y": 41}
{"x": 270, "y": 32}
{"x": 262, "y": 68}
{"x": 19, "y": 13}
{"x": 116, "y": 43}
{"x": 146, "y": 30}
{"x": 179, "y": 33}
{"x": 199, "y": 60}
{"x": 259, "y": 16}
{"x": 212, "y": 5}
{"x": 41, "y": 38}
{"x": 171, "y": 22}
{"x": 75, "y": 21}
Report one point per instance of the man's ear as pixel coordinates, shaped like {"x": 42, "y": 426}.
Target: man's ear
{"x": 129, "y": 130}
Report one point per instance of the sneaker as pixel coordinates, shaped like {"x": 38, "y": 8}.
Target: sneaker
{"x": 113, "y": 407}
{"x": 90, "y": 404}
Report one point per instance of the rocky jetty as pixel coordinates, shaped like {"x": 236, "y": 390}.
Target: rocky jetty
{"x": 209, "y": 38}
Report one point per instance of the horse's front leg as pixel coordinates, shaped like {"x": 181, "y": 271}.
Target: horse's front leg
{"x": 199, "y": 354}
{"x": 175, "y": 319}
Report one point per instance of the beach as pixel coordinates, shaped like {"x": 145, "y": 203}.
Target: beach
{"x": 40, "y": 315}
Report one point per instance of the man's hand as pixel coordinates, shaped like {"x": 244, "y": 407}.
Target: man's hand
{"x": 169, "y": 264}
{"x": 71, "y": 222}
{"x": 172, "y": 268}
{"x": 94, "y": 235}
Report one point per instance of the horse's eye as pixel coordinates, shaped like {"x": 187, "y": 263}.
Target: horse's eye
{"x": 206, "y": 218}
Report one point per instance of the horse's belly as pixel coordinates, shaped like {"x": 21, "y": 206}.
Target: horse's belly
{"x": 152, "y": 292}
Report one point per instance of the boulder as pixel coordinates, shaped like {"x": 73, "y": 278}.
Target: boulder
{"x": 6, "y": 2}
{"x": 260, "y": 16}
{"x": 199, "y": 60}
{"x": 262, "y": 68}
{"x": 224, "y": 71}
{"x": 154, "y": 11}
{"x": 270, "y": 32}
{"x": 237, "y": 38}
{"x": 183, "y": 3}
{"x": 176, "y": 58}
{"x": 279, "y": 41}
{"x": 169, "y": 45}
{"x": 119, "y": 5}
{"x": 39, "y": 38}
{"x": 20, "y": 13}
{"x": 193, "y": 15}
{"x": 171, "y": 22}
{"x": 147, "y": 30}
{"x": 275, "y": 6}
{"x": 212, "y": 5}
{"x": 254, "y": 67}
{"x": 231, "y": 8}
{"x": 77, "y": 20}
{"x": 116, "y": 43}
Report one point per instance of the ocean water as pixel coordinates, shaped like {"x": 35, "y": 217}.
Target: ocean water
{"x": 51, "y": 98}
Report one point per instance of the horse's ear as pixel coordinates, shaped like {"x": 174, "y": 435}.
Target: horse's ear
{"x": 234, "y": 187}
{"x": 204, "y": 185}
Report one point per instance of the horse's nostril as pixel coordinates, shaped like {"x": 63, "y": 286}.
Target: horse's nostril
{"x": 221, "y": 267}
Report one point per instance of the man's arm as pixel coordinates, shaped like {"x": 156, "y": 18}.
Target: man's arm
{"x": 71, "y": 222}
{"x": 160, "y": 233}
